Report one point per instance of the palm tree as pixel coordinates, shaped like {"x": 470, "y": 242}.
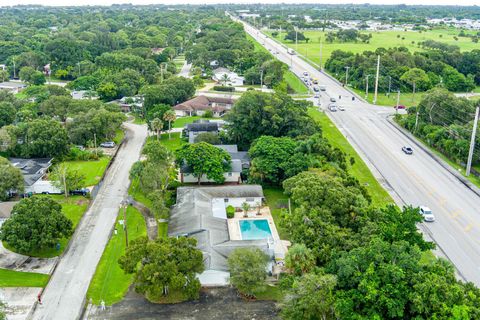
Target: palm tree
{"x": 169, "y": 116}
{"x": 224, "y": 79}
{"x": 245, "y": 208}
{"x": 157, "y": 126}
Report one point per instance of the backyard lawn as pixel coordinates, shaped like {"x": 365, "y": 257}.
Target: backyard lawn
{"x": 73, "y": 207}
{"x": 380, "y": 197}
{"x": 277, "y": 202}
{"x": 93, "y": 170}
{"x": 109, "y": 282}
{"x": 10, "y": 278}
{"x": 173, "y": 143}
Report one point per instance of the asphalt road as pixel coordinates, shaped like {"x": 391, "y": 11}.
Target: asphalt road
{"x": 64, "y": 296}
{"x": 416, "y": 179}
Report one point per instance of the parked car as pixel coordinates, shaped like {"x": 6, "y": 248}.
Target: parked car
{"x": 400, "y": 107}
{"x": 333, "y": 100}
{"x": 79, "y": 147}
{"x": 108, "y": 144}
{"x": 80, "y": 192}
{"x": 427, "y": 214}
{"x": 407, "y": 150}
{"x": 341, "y": 108}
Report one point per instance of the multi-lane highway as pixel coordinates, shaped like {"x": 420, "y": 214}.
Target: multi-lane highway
{"x": 416, "y": 179}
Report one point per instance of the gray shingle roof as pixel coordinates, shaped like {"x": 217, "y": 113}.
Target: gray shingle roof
{"x": 32, "y": 169}
{"x": 192, "y": 216}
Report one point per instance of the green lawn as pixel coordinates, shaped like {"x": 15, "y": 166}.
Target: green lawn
{"x": 296, "y": 84}
{"x": 119, "y": 134}
{"x": 271, "y": 293}
{"x": 10, "y": 278}
{"x": 138, "y": 195}
{"x": 380, "y": 197}
{"x": 173, "y": 143}
{"x": 93, "y": 170}
{"x": 109, "y": 282}
{"x": 73, "y": 207}
{"x": 276, "y": 200}
{"x": 385, "y": 39}
{"x": 162, "y": 229}
{"x": 406, "y": 98}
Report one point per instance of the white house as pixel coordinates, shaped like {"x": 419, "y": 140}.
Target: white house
{"x": 186, "y": 175}
{"x": 12, "y": 86}
{"x": 226, "y": 77}
{"x": 200, "y": 104}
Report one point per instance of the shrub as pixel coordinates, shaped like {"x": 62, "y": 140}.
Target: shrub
{"x": 224, "y": 88}
{"x": 208, "y": 114}
{"x": 230, "y": 212}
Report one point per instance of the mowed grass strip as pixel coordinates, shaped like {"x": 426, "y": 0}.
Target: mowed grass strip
{"x": 109, "y": 282}
{"x": 359, "y": 169}
{"x": 10, "y": 278}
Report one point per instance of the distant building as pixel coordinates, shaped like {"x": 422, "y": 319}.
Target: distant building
{"x": 200, "y": 104}
{"x": 33, "y": 171}
{"x": 12, "y": 86}
{"x": 226, "y": 77}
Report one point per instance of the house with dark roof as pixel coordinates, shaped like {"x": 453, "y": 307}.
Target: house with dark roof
{"x": 200, "y": 104}
{"x": 192, "y": 130}
{"x": 232, "y": 150}
{"x": 186, "y": 175}
{"x": 33, "y": 171}
{"x": 200, "y": 213}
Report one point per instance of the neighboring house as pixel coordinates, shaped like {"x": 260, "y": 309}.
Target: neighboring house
{"x": 232, "y": 176}
{"x": 33, "y": 171}
{"x": 200, "y": 213}
{"x": 226, "y": 77}
{"x": 129, "y": 104}
{"x": 232, "y": 149}
{"x": 12, "y": 86}
{"x": 84, "y": 94}
{"x": 192, "y": 130}
{"x": 6, "y": 210}
{"x": 198, "y": 105}
{"x": 3, "y": 67}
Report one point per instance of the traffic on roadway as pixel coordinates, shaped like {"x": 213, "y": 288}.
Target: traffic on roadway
{"x": 411, "y": 179}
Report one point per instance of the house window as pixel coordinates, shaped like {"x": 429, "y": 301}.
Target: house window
{"x": 225, "y": 200}
{"x": 250, "y": 199}
{"x": 229, "y": 174}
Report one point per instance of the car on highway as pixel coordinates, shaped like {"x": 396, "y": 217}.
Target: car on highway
{"x": 427, "y": 214}
{"x": 108, "y": 144}
{"x": 341, "y": 108}
{"x": 332, "y": 107}
{"x": 316, "y": 96}
{"x": 407, "y": 150}
{"x": 305, "y": 73}
{"x": 400, "y": 106}
{"x": 323, "y": 88}
{"x": 333, "y": 100}
{"x": 316, "y": 89}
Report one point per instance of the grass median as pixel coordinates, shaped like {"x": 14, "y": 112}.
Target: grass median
{"x": 109, "y": 282}
{"x": 10, "y": 278}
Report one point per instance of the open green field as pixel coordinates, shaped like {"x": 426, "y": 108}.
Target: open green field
{"x": 380, "y": 197}
{"x": 385, "y": 39}
{"x": 93, "y": 170}
{"x": 73, "y": 207}
{"x": 10, "y": 278}
{"x": 109, "y": 282}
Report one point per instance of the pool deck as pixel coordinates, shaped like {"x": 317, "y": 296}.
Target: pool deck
{"x": 280, "y": 246}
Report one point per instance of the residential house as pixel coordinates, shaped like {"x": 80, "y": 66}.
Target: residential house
{"x": 6, "y": 210}
{"x": 232, "y": 176}
{"x": 33, "y": 171}
{"x": 232, "y": 149}
{"x": 12, "y": 86}
{"x": 200, "y": 213}
{"x": 226, "y": 77}
{"x": 192, "y": 130}
{"x": 200, "y": 104}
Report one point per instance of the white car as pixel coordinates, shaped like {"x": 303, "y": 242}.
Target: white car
{"x": 341, "y": 108}
{"x": 427, "y": 214}
{"x": 332, "y": 108}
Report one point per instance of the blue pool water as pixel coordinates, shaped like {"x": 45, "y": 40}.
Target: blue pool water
{"x": 255, "y": 229}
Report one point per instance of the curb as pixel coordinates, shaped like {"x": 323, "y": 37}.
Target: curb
{"x": 437, "y": 159}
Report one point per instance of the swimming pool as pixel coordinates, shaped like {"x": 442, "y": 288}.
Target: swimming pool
{"x": 254, "y": 229}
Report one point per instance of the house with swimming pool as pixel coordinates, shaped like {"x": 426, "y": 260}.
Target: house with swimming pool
{"x": 200, "y": 212}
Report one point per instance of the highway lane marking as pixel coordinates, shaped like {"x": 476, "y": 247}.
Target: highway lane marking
{"x": 455, "y": 214}
{"x": 468, "y": 227}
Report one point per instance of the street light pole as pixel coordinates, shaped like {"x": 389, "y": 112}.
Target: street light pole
{"x": 472, "y": 143}
{"x": 321, "y": 47}
{"x": 398, "y": 101}
{"x": 376, "y": 80}
{"x": 346, "y": 76}
{"x": 366, "y": 87}
{"x": 124, "y": 206}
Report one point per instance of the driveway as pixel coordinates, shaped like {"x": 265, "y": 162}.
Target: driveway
{"x": 64, "y": 295}
{"x": 217, "y": 303}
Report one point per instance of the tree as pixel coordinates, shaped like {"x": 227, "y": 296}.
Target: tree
{"x": 169, "y": 116}
{"x": 36, "y": 223}
{"x": 248, "y": 270}
{"x": 312, "y": 297}
{"x": 204, "y": 159}
{"x": 11, "y": 179}
{"x": 416, "y": 77}
{"x": 44, "y": 138}
{"x": 299, "y": 259}
{"x": 3, "y": 75}
{"x": 7, "y": 113}
{"x": 245, "y": 208}
{"x": 208, "y": 137}
{"x": 67, "y": 179}
{"x": 157, "y": 126}
{"x": 163, "y": 266}
{"x": 295, "y": 35}
{"x": 57, "y": 106}
{"x": 224, "y": 79}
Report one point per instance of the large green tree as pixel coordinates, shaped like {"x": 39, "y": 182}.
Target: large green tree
{"x": 36, "y": 223}
{"x": 204, "y": 159}
{"x": 67, "y": 179}
{"x": 164, "y": 266}
{"x": 44, "y": 138}
{"x": 11, "y": 179}
{"x": 7, "y": 113}
{"x": 248, "y": 270}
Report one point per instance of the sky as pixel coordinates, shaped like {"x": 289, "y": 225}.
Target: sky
{"x": 145, "y": 2}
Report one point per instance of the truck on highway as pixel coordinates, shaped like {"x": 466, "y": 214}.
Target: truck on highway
{"x": 290, "y": 51}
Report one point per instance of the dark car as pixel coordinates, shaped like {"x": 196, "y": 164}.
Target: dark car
{"x": 407, "y": 150}
{"x": 80, "y": 192}
{"x": 333, "y": 100}
{"x": 400, "y": 107}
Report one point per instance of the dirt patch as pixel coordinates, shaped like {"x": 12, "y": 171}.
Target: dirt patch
{"x": 218, "y": 303}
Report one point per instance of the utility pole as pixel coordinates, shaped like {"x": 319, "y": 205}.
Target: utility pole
{"x": 366, "y": 87}
{"x": 413, "y": 95}
{"x": 346, "y": 76}
{"x": 321, "y": 47}
{"x": 472, "y": 142}
{"x": 14, "y": 74}
{"x": 296, "y": 39}
{"x": 389, "y": 85}
{"x": 398, "y": 101}
{"x": 124, "y": 205}
{"x": 261, "y": 79}
{"x": 95, "y": 143}
{"x": 416, "y": 121}
{"x": 376, "y": 81}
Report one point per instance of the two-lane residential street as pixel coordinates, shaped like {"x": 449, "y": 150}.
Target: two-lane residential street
{"x": 64, "y": 295}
